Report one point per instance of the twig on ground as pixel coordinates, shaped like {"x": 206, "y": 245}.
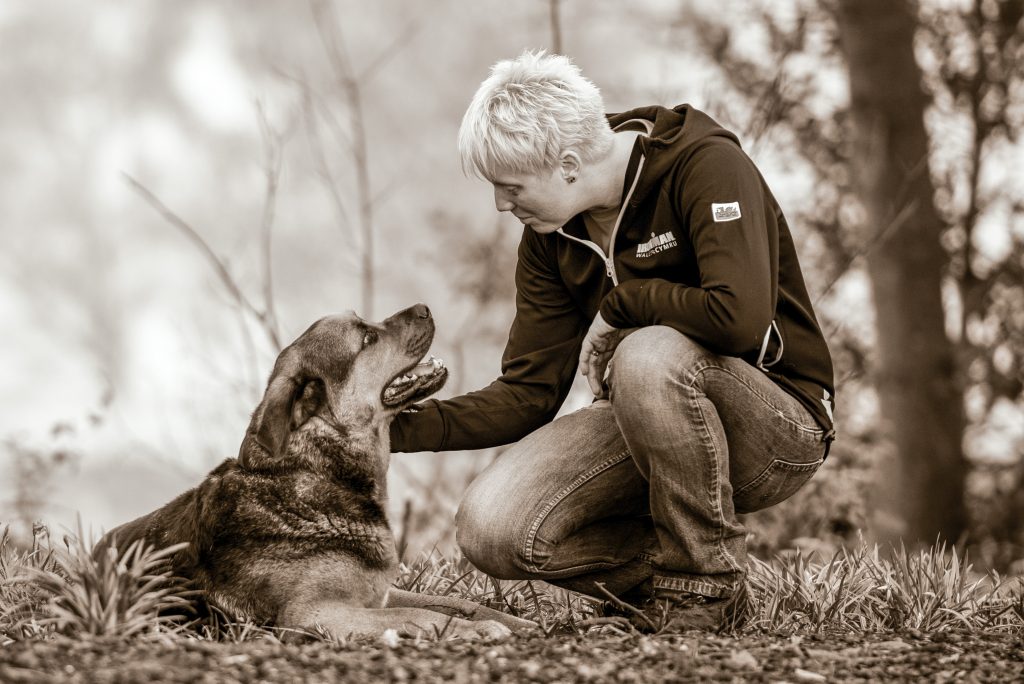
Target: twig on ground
{"x": 619, "y": 603}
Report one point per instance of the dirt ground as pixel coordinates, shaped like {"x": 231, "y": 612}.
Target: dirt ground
{"x": 960, "y": 657}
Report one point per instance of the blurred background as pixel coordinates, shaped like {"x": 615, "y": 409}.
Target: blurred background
{"x": 187, "y": 186}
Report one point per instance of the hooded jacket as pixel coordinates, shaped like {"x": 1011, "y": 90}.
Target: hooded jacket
{"x": 700, "y": 245}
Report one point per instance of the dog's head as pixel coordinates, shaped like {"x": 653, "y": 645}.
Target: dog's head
{"x": 352, "y": 374}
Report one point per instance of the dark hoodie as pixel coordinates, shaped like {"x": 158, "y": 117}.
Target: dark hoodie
{"x": 701, "y": 246}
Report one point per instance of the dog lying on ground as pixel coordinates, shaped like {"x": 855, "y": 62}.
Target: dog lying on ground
{"x": 294, "y": 531}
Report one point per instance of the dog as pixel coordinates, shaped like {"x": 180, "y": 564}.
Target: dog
{"x": 293, "y": 531}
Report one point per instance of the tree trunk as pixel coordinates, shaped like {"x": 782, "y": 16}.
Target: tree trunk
{"x": 919, "y": 391}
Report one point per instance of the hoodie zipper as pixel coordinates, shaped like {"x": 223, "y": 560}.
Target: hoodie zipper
{"x": 609, "y": 259}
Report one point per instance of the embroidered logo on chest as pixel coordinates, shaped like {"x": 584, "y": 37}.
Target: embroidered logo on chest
{"x": 657, "y": 243}
{"x": 729, "y": 211}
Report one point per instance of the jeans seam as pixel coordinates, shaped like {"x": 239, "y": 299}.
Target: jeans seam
{"x": 694, "y": 586}
{"x": 815, "y": 428}
{"x": 720, "y": 521}
{"x": 558, "y": 498}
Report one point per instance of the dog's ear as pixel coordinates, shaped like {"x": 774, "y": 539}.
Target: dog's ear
{"x": 308, "y": 401}
{"x": 287, "y": 404}
{"x": 271, "y": 422}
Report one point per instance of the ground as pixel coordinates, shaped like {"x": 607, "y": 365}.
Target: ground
{"x": 908, "y": 656}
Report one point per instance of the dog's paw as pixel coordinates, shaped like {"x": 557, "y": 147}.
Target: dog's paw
{"x": 519, "y": 625}
{"x": 487, "y": 630}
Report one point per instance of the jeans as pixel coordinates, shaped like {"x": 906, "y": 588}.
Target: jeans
{"x": 642, "y": 489}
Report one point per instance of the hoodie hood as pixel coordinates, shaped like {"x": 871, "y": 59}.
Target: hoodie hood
{"x": 676, "y": 133}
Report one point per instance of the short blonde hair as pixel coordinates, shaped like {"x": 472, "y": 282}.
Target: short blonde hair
{"x": 527, "y": 112}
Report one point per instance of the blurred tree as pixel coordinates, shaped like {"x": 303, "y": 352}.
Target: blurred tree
{"x": 916, "y": 377}
{"x": 977, "y": 81}
{"x": 897, "y": 187}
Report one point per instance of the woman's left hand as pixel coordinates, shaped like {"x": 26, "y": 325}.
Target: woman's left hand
{"x": 598, "y": 346}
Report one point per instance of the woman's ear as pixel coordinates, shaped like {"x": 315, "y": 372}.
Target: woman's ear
{"x": 570, "y": 164}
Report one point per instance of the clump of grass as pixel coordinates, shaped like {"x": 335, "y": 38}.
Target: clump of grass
{"x": 107, "y": 593}
{"x": 19, "y": 600}
{"x": 930, "y": 590}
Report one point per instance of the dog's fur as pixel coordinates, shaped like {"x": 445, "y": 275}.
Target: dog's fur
{"x": 294, "y": 530}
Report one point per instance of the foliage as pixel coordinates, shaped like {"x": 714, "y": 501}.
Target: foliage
{"x": 103, "y": 593}
{"x": 977, "y": 75}
{"x": 20, "y": 601}
{"x": 125, "y": 596}
{"x": 930, "y": 590}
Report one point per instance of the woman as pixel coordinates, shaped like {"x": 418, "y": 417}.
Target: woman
{"x": 656, "y": 260}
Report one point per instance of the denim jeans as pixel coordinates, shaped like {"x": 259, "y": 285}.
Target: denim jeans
{"x": 642, "y": 489}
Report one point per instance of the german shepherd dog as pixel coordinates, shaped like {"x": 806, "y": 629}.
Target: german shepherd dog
{"x": 293, "y": 531}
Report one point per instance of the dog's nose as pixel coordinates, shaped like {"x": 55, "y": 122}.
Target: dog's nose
{"x": 421, "y": 311}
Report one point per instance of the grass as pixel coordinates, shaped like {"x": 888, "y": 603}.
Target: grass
{"x": 859, "y": 591}
{"x": 552, "y": 608}
{"x": 126, "y": 595}
{"x": 76, "y": 591}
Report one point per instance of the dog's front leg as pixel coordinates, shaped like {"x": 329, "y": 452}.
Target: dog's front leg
{"x": 343, "y": 620}
{"x": 463, "y": 608}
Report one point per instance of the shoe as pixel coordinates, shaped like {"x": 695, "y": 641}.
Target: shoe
{"x": 671, "y": 614}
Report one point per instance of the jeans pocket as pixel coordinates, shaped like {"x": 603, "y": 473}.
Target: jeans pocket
{"x": 776, "y": 483}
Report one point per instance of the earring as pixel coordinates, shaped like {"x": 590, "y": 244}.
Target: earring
{"x": 570, "y": 179}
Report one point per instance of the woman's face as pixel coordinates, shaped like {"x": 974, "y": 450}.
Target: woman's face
{"x": 543, "y": 201}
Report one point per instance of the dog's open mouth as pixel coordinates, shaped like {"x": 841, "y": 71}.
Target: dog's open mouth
{"x": 416, "y": 383}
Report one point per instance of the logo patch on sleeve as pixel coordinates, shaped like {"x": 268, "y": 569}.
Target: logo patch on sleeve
{"x": 729, "y": 211}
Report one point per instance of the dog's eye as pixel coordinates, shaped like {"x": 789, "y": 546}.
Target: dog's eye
{"x": 369, "y": 338}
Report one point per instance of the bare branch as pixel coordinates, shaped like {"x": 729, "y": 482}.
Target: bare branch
{"x": 218, "y": 264}
{"x": 389, "y": 52}
{"x": 311, "y": 105}
{"x": 272, "y": 170}
{"x": 554, "y": 11}
{"x": 333, "y": 43}
{"x": 879, "y": 238}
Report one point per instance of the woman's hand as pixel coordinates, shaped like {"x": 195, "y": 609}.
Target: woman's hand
{"x": 598, "y": 346}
